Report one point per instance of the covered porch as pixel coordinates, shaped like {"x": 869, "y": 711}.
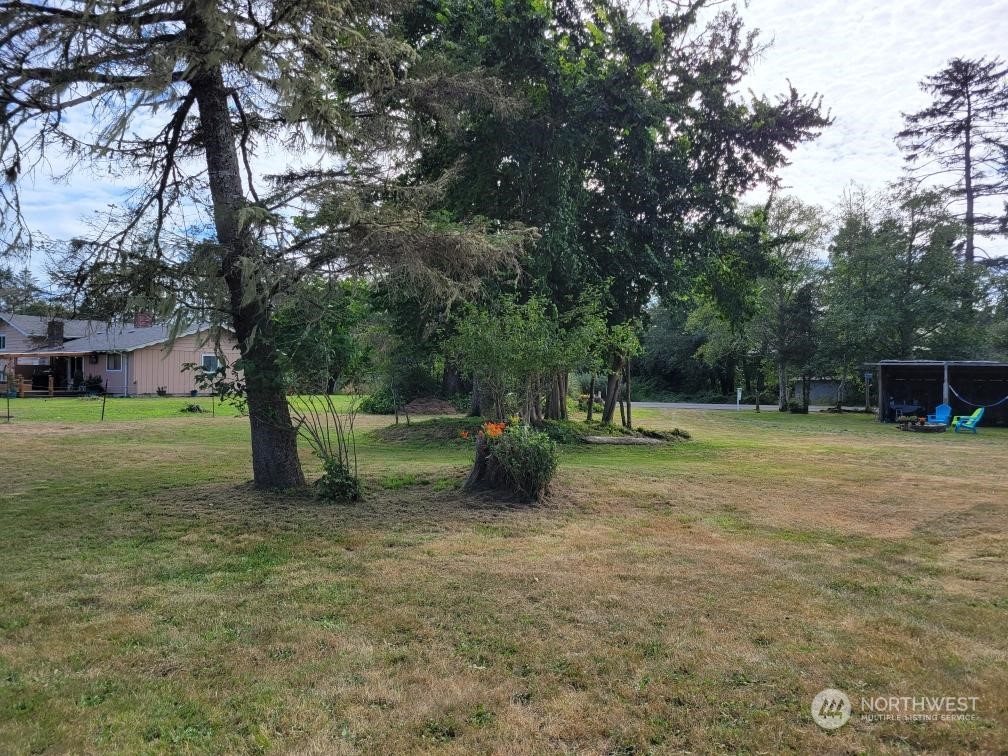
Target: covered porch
{"x": 917, "y": 387}
{"x": 44, "y": 373}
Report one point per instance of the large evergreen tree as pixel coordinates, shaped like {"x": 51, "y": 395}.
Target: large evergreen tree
{"x": 960, "y": 141}
{"x": 184, "y": 96}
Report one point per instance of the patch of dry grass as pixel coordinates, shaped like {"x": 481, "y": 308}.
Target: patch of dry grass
{"x": 687, "y": 598}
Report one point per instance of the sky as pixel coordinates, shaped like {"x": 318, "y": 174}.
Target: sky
{"x": 865, "y": 57}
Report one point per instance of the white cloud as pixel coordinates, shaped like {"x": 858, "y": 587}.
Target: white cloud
{"x": 866, "y": 59}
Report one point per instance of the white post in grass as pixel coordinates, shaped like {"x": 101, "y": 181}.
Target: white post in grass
{"x": 738, "y": 399}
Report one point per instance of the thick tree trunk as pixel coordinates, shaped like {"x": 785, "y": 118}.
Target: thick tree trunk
{"x": 564, "y": 378}
{"x": 486, "y": 472}
{"x": 612, "y": 394}
{"x": 556, "y": 404}
{"x": 475, "y": 401}
{"x": 451, "y": 380}
{"x": 782, "y": 389}
{"x": 275, "y": 462}
{"x": 533, "y": 406}
{"x": 628, "y": 420}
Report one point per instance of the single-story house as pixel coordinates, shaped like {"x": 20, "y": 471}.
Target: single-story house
{"x": 128, "y": 359}
{"x": 918, "y": 386}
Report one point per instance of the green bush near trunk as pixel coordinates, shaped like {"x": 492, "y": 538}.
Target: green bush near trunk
{"x": 528, "y": 457}
{"x": 338, "y": 483}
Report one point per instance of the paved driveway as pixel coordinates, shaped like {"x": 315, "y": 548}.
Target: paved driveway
{"x": 772, "y": 407}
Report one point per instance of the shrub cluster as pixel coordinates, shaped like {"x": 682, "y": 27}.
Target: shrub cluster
{"x": 528, "y": 457}
{"x": 338, "y": 483}
{"x": 379, "y": 402}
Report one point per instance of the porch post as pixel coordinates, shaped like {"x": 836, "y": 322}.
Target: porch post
{"x": 945, "y": 387}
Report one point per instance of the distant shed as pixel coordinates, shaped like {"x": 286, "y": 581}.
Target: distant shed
{"x": 918, "y": 386}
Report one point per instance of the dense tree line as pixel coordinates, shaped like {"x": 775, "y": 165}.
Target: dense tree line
{"x": 879, "y": 277}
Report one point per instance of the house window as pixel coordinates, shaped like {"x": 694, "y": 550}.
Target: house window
{"x": 113, "y": 362}
{"x": 210, "y": 363}
{"x": 3, "y": 341}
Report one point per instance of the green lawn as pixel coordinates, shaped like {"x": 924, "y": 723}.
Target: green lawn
{"x": 692, "y": 597}
{"x": 89, "y": 409}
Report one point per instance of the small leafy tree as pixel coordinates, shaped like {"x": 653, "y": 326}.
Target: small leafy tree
{"x": 515, "y": 350}
{"x": 329, "y": 433}
{"x": 320, "y": 339}
{"x": 621, "y": 344}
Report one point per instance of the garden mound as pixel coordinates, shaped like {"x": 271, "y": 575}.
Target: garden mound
{"x": 623, "y": 440}
{"x": 430, "y": 405}
{"x": 450, "y": 429}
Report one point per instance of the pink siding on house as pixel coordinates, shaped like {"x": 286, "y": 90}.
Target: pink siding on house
{"x": 16, "y": 341}
{"x": 143, "y": 370}
{"x": 116, "y": 382}
{"x": 152, "y": 367}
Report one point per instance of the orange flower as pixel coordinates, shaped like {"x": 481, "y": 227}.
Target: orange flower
{"x": 464, "y": 434}
{"x": 493, "y": 430}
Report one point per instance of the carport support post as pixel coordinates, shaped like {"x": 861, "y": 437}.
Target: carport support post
{"x": 945, "y": 387}
{"x": 883, "y": 405}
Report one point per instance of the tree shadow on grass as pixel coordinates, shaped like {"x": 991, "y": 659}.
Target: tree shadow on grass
{"x": 419, "y": 506}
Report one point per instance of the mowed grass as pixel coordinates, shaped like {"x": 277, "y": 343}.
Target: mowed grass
{"x": 692, "y": 597}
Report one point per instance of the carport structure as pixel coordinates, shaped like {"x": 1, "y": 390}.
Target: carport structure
{"x": 918, "y": 386}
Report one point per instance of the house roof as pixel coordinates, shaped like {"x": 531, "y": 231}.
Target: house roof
{"x": 116, "y": 338}
{"x": 937, "y": 363}
{"x": 123, "y": 338}
{"x": 37, "y": 325}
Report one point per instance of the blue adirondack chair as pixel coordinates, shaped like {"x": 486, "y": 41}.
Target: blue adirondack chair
{"x": 967, "y": 422}
{"x": 942, "y": 414}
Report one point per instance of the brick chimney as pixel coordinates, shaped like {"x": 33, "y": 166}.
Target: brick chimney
{"x": 54, "y": 334}
{"x": 143, "y": 319}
